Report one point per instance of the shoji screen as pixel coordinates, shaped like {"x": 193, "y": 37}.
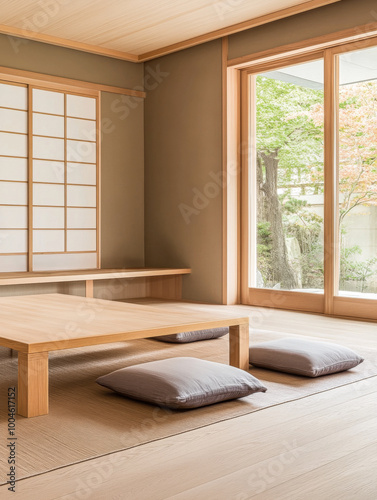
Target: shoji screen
{"x": 64, "y": 193}
{"x": 49, "y": 171}
{"x": 13, "y": 177}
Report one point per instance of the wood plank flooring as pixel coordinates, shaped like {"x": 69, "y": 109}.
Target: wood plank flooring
{"x": 320, "y": 447}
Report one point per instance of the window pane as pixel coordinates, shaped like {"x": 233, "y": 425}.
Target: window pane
{"x": 13, "y": 96}
{"x": 13, "y": 217}
{"x": 81, "y": 173}
{"x": 68, "y": 261}
{"x": 13, "y": 263}
{"x": 48, "y": 171}
{"x": 13, "y": 169}
{"x": 81, "y": 218}
{"x": 81, "y": 107}
{"x": 52, "y": 126}
{"x": 84, "y": 130}
{"x": 13, "y": 193}
{"x": 13, "y": 121}
{"x": 45, "y": 218}
{"x": 358, "y": 173}
{"x": 13, "y": 241}
{"x": 48, "y": 241}
{"x": 80, "y": 151}
{"x": 81, "y": 196}
{"x": 13, "y": 145}
{"x": 49, "y": 149}
{"x": 45, "y": 101}
{"x": 286, "y": 207}
{"x": 48, "y": 194}
{"x": 81, "y": 241}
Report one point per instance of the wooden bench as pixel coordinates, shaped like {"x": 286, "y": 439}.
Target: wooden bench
{"x": 162, "y": 283}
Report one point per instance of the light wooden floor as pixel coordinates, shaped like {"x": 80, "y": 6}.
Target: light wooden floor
{"x": 320, "y": 447}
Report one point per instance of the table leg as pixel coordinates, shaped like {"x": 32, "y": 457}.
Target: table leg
{"x": 89, "y": 288}
{"x": 32, "y": 384}
{"x": 239, "y": 346}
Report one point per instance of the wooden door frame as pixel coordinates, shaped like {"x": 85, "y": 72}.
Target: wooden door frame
{"x": 347, "y": 306}
{"x": 282, "y": 299}
{"x": 329, "y": 302}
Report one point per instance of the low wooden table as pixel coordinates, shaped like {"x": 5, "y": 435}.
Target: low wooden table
{"x": 33, "y": 325}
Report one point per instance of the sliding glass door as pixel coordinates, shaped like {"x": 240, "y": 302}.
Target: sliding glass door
{"x": 358, "y": 174}
{"x": 309, "y": 182}
{"x": 356, "y": 287}
{"x": 286, "y": 179}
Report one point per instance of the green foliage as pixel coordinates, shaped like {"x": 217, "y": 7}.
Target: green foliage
{"x": 306, "y": 227}
{"x": 290, "y": 129}
{"x": 286, "y": 131}
{"x": 264, "y": 252}
{"x": 356, "y": 270}
{"x": 351, "y": 101}
{"x": 284, "y": 126}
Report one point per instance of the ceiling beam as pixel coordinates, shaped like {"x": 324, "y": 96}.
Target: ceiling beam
{"x": 69, "y": 44}
{"x": 236, "y": 28}
{"x": 191, "y": 42}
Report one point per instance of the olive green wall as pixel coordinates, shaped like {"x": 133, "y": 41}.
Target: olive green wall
{"x": 329, "y": 19}
{"x": 182, "y": 151}
{"x": 183, "y": 142}
{"x": 122, "y": 184}
{"x": 122, "y": 146}
{"x": 52, "y": 60}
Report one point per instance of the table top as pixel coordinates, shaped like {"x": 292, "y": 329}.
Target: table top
{"x": 48, "y": 322}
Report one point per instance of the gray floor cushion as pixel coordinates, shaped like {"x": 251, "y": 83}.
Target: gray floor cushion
{"x": 182, "y": 383}
{"x": 303, "y": 357}
{"x": 185, "y": 337}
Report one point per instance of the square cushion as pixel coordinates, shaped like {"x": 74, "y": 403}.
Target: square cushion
{"x": 185, "y": 337}
{"x": 182, "y": 382}
{"x": 303, "y": 357}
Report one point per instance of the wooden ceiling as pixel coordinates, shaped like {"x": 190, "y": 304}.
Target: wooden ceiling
{"x": 139, "y": 30}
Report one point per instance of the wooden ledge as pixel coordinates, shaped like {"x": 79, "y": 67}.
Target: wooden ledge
{"x": 87, "y": 275}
